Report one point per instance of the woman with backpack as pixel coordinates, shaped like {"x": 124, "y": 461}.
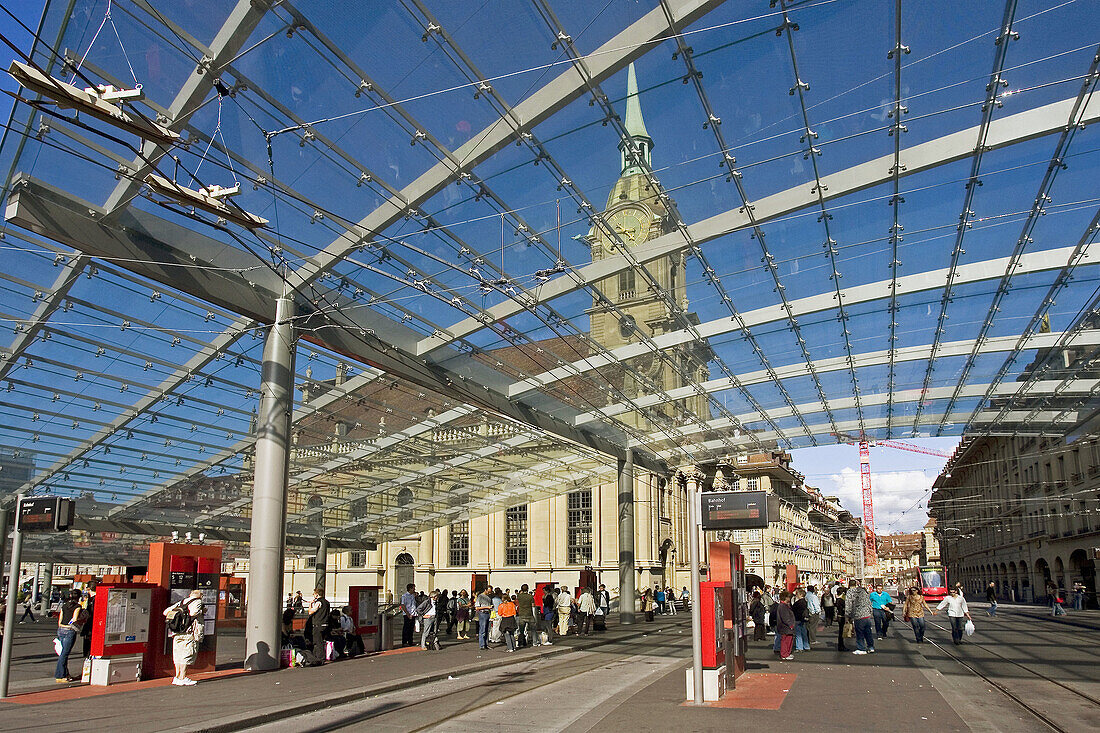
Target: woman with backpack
{"x": 185, "y": 627}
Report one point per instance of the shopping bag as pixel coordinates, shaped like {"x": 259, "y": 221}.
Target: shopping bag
{"x": 969, "y": 628}
{"x": 286, "y": 657}
{"x": 330, "y": 651}
{"x": 767, "y": 618}
{"x": 416, "y": 625}
{"x": 849, "y": 630}
{"x": 57, "y": 646}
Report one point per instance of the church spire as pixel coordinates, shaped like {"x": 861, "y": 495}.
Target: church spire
{"x": 635, "y": 128}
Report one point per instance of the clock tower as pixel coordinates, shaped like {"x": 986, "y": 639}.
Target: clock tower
{"x": 633, "y": 310}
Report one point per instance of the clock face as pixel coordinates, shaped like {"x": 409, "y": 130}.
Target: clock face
{"x": 632, "y": 225}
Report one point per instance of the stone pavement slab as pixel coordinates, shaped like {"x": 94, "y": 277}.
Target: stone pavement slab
{"x": 247, "y": 699}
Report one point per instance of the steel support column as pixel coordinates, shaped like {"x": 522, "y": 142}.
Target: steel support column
{"x": 693, "y": 478}
{"x": 4, "y": 529}
{"x": 13, "y": 596}
{"x": 265, "y": 560}
{"x": 47, "y": 588}
{"x": 320, "y": 568}
{"x": 626, "y": 539}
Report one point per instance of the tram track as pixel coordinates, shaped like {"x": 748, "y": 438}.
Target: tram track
{"x": 973, "y": 666}
{"x": 560, "y": 672}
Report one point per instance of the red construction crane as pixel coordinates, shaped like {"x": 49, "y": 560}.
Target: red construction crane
{"x": 870, "y": 543}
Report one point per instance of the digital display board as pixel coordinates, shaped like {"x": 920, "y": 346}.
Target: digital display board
{"x": 45, "y": 514}
{"x": 734, "y": 510}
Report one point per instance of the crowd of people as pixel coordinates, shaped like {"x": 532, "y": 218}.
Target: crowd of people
{"x": 861, "y": 614}
{"x": 515, "y": 619}
{"x": 329, "y": 633}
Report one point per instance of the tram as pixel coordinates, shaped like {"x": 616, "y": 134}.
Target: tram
{"x": 931, "y": 579}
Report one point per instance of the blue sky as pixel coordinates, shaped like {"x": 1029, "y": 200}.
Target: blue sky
{"x": 900, "y": 480}
{"x": 748, "y": 80}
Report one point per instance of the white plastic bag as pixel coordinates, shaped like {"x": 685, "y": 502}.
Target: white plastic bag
{"x": 57, "y": 646}
{"x": 416, "y": 625}
{"x": 969, "y": 628}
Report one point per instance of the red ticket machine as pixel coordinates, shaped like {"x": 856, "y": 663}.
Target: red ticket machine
{"x": 363, "y": 600}
{"x": 727, "y": 566}
{"x": 178, "y": 570}
{"x": 122, "y": 626}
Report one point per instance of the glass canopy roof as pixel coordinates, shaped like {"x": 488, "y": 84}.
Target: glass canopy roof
{"x": 849, "y": 219}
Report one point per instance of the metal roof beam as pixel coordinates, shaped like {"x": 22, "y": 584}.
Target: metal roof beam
{"x": 861, "y": 360}
{"x": 1003, "y": 132}
{"x": 155, "y": 248}
{"x": 1038, "y": 261}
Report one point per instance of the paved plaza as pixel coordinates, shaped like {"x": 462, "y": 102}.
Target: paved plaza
{"x": 1022, "y": 671}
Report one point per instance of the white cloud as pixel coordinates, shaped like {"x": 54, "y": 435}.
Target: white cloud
{"x": 899, "y": 497}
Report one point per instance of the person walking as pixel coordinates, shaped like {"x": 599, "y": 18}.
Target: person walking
{"x": 586, "y": 609}
{"x": 564, "y": 604}
{"x": 525, "y": 617}
{"x": 858, "y": 610}
{"x": 957, "y": 611}
{"x": 549, "y": 613}
{"x": 813, "y": 613}
{"x": 658, "y": 599}
{"x": 685, "y": 598}
{"x": 409, "y": 603}
{"x": 828, "y": 606}
{"x": 801, "y": 616}
{"x": 648, "y": 604}
{"x": 879, "y": 599}
{"x": 89, "y": 614}
{"x": 1080, "y": 596}
{"x": 186, "y": 633}
{"x": 317, "y": 621}
{"x": 991, "y": 598}
{"x": 785, "y": 626}
{"x": 757, "y": 611}
{"x": 483, "y": 607}
{"x": 1056, "y": 600}
{"x": 506, "y": 612}
{"x": 452, "y": 612}
{"x": 427, "y": 612}
{"x": 462, "y": 614}
{"x": 841, "y": 624}
{"x": 69, "y": 622}
{"x": 603, "y": 606}
{"x": 28, "y": 609}
{"x": 914, "y": 612}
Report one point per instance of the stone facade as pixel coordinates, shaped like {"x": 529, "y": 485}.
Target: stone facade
{"x": 1021, "y": 512}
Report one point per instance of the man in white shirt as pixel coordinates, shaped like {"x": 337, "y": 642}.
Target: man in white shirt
{"x": 564, "y": 604}
{"x": 957, "y": 611}
{"x": 426, "y": 612}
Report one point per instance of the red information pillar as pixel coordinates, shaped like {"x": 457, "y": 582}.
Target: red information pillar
{"x": 792, "y": 578}
{"x": 179, "y": 569}
{"x": 727, "y": 566}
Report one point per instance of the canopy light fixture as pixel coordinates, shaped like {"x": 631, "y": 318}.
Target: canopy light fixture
{"x": 208, "y": 199}
{"x": 94, "y": 101}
